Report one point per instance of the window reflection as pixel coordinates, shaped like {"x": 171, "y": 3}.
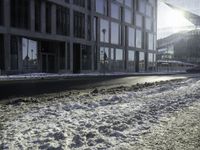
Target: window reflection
{"x": 104, "y": 30}
{"x": 29, "y": 53}
{"x": 138, "y": 38}
{"x": 131, "y": 37}
{"x": 115, "y": 33}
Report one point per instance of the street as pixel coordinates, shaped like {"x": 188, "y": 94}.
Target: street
{"x": 12, "y": 89}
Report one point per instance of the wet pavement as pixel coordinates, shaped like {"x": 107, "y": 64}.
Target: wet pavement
{"x": 12, "y": 89}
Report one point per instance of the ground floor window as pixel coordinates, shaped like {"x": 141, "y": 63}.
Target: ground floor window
{"x": 29, "y": 54}
{"x": 62, "y": 56}
{"x": 131, "y": 60}
{"x": 2, "y": 67}
{"x": 141, "y": 61}
{"x": 16, "y": 45}
{"x": 86, "y": 58}
{"x": 151, "y": 62}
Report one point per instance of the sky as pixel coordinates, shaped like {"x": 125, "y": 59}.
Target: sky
{"x": 170, "y": 21}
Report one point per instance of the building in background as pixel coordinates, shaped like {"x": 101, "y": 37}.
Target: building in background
{"x": 179, "y": 51}
{"x": 77, "y": 36}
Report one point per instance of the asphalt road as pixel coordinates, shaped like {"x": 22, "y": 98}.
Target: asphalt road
{"x": 36, "y": 87}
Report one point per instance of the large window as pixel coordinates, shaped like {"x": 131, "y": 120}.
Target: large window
{"x": 148, "y": 24}
{"x": 119, "y": 54}
{"x": 1, "y": 12}
{"x": 141, "y": 61}
{"x": 150, "y": 42}
{"x": 142, "y": 6}
{"x": 138, "y": 38}
{"x": 29, "y": 54}
{"x": 89, "y": 28}
{"x": 115, "y": 11}
{"x": 131, "y": 37}
{"x": 86, "y": 58}
{"x": 151, "y": 62}
{"x": 15, "y": 46}
{"x": 128, "y": 15}
{"x": 62, "y": 56}
{"x": 131, "y": 55}
{"x": 104, "y": 53}
{"x": 79, "y": 25}
{"x": 20, "y": 14}
{"x": 38, "y": 15}
{"x": 48, "y": 17}
{"x": 149, "y": 10}
{"x": 104, "y": 31}
{"x": 139, "y": 20}
{"x": 115, "y": 33}
{"x": 129, "y": 3}
{"x": 79, "y": 3}
{"x": 101, "y": 7}
{"x": 2, "y": 58}
{"x": 62, "y": 20}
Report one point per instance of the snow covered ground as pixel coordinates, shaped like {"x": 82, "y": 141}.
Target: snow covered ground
{"x": 114, "y": 118}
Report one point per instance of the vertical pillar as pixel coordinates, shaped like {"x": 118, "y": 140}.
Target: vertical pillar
{"x": 66, "y": 55}
{"x": 53, "y": 20}
{"x": 72, "y": 58}
{"x": 7, "y": 36}
{"x": 32, "y": 15}
{"x": 43, "y": 17}
{"x": 7, "y": 48}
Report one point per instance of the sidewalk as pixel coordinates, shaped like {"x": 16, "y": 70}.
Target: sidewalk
{"x": 54, "y": 76}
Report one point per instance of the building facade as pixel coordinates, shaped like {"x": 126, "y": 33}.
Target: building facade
{"x": 77, "y": 36}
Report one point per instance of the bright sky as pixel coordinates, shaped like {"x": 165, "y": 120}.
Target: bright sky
{"x": 171, "y": 21}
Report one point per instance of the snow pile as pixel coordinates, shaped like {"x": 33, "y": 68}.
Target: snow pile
{"x": 100, "y": 119}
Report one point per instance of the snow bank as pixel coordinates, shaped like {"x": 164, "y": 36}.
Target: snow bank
{"x": 93, "y": 120}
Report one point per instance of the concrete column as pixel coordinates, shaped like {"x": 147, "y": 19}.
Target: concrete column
{"x": 7, "y": 48}
{"x": 53, "y": 20}
{"x": 32, "y": 15}
{"x": 43, "y": 17}
{"x": 71, "y": 57}
{"x": 66, "y": 55}
{"x": 7, "y": 36}
{"x": 7, "y": 13}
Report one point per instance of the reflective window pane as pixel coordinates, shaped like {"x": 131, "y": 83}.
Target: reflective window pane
{"x": 115, "y": 33}
{"x": 139, "y": 20}
{"x": 148, "y": 24}
{"x": 104, "y": 30}
{"x": 119, "y": 54}
{"x": 129, "y": 3}
{"x": 131, "y": 37}
{"x": 138, "y": 38}
{"x": 128, "y": 16}
{"x": 101, "y": 6}
{"x": 150, "y": 41}
{"x": 115, "y": 11}
{"x": 131, "y": 55}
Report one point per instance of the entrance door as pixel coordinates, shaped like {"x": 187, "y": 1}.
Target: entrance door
{"x": 76, "y": 58}
{"x": 48, "y": 63}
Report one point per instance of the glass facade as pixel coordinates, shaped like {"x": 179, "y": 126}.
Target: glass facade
{"x": 87, "y": 32}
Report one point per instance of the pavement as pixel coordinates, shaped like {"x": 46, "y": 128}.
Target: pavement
{"x": 10, "y": 89}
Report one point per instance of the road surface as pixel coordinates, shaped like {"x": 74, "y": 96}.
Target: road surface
{"x": 12, "y": 89}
